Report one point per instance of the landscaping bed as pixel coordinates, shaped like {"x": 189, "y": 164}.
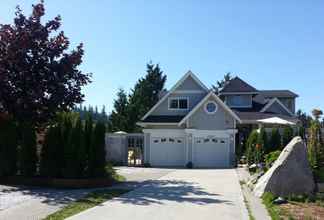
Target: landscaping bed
{"x": 295, "y": 208}
{"x": 57, "y": 182}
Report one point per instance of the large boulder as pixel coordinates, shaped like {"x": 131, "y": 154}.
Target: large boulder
{"x": 290, "y": 174}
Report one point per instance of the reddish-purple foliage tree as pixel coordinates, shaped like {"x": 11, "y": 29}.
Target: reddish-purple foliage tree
{"x": 39, "y": 75}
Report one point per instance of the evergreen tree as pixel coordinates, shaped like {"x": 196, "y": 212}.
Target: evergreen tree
{"x": 79, "y": 148}
{"x": 251, "y": 147}
{"x": 263, "y": 145}
{"x": 220, "y": 84}
{"x": 275, "y": 140}
{"x": 8, "y": 148}
{"x": 314, "y": 145}
{"x": 52, "y": 154}
{"x": 119, "y": 117}
{"x": 287, "y": 136}
{"x": 145, "y": 94}
{"x": 97, "y": 153}
{"x": 28, "y": 157}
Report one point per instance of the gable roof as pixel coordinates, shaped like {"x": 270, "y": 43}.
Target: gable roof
{"x": 253, "y": 117}
{"x": 278, "y": 93}
{"x": 272, "y": 102}
{"x": 237, "y": 85}
{"x": 188, "y": 74}
{"x": 219, "y": 101}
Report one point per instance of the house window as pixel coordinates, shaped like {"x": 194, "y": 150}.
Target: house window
{"x": 178, "y": 103}
{"x": 239, "y": 101}
{"x": 210, "y": 107}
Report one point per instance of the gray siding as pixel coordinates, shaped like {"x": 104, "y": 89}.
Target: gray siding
{"x": 190, "y": 84}
{"x": 163, "y": 108}
{"x": 276, "y": 108}
{"x": 289, "y": 103}
{"x": 219, "y": 121}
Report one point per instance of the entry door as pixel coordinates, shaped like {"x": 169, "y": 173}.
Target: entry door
{"x": 211, "y": 152}
{"x": 167, "y": 151}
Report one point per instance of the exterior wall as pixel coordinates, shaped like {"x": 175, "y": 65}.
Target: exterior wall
{"x": 232, "y": 149}
{"x": 147, "y": 141}
{"x": 290, "y": 103}
{"x": 163, "y": 108}
{"x": 116, "y": 148}
{"x": 276, "y": 108}
{"x": 221, "y": 120}
{"x": 189, "y": 84}
{"x": 245, "y": 100}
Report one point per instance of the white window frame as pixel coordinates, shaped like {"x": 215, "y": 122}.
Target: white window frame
{"x": 205, "y": 107}
{"x": 178, "y": 98}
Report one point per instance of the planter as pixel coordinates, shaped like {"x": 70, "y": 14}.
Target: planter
{"x": 57, "y": 182}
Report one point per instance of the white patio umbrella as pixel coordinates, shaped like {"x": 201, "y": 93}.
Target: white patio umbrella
{"x": 276, "y": 121}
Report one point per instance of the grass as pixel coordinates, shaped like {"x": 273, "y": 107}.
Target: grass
{"x": 92, "y": 199}
{"x": 274, "y": 211}
{"x": 248, "y": 208}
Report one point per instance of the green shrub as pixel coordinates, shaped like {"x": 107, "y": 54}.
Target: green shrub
{"x": 51, "y": 152}
{"x": 288, "y": 134}
{"x": 8, "y": 148}
{"x": 97, "y": 153}
{"x": 275, "y": 140}
{"x": 251, "y": 147}
{"x": 28, "y": 162}
{"x": 314, "y": 145}
{"x": 270, "y": 158}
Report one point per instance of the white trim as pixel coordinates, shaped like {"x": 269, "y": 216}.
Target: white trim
{"x": 280, "y": 103}
{"x": 211, "y": 102}
{"x": 165, "y": 132}
{"x": 189, "y": 73}
{"x": 143, "y": 124}
{"x": 220, "y": 102}
{"x": 203, "y": 133}
{"x": 238, "y": 93}
{"x": 178, "y": 109}
{"x": 189, "y": 92}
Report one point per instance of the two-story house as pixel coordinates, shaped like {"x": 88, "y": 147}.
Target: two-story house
{"x": 192, "y": 123}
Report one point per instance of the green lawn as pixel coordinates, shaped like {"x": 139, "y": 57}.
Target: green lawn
{"x": 92, "y": 199}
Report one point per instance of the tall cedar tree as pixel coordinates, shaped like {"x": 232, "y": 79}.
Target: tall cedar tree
{"x": 88, "y": 129}
{"x": 39, "y": 74}
{"x": 119, "y": 118}
{"x": 287, "y": 136}
{"x": 8, "y": 148}
{"x": 80, "y": 148}
{"x": 251, "y": 153}
{"x": 28, "y": 161}
{"x": 97, "y": 153}
{"x": 145, "y": 94}
{"x": 275, "y": 140}
{"x": 315, "y": 145}
{"x": 220, "y": 84}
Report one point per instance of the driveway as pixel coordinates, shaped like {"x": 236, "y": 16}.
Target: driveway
{"x": 40, "y": 202}
{"x": 180, "y": 194}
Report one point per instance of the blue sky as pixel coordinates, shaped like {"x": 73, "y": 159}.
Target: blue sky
{"x": 269, "y": 44}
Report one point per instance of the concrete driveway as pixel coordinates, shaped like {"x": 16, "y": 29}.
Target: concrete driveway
{"x": 180, "y": 194}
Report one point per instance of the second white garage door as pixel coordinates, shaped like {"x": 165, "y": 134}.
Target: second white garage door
{"x": 167, "y": 151}
{"x": 211, "y": 152}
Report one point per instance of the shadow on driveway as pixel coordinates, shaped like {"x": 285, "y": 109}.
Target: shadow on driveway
{"x": 161, "y": 191}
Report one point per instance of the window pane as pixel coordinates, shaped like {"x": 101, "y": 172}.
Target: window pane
{"x": 183, "y": 103}
{"x": 173, "y": 103}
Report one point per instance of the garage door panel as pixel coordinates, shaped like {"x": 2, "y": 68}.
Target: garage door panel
{"x": 211, "y": 152}
{"x": 167, "y": 151}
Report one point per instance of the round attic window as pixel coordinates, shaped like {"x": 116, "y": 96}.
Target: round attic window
{"x": 211, "y": 107}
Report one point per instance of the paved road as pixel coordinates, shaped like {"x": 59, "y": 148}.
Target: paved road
{"x": 27, "y": 203}
{"x": 181, "y": 194}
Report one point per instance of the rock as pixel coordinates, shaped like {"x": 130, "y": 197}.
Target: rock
{"x": 279, "y": 201}
{"x": 290, "y": 173}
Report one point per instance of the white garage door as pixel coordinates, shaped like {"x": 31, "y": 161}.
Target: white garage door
{"x": 211, "y": 152}
{"x": 167, "y": 151}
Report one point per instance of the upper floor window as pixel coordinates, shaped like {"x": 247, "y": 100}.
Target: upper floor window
{"x": 178, "y": 103}
{"x": 239, "y": 101}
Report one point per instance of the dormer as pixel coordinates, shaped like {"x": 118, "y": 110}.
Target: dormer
{"x": 238, "y": 94}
